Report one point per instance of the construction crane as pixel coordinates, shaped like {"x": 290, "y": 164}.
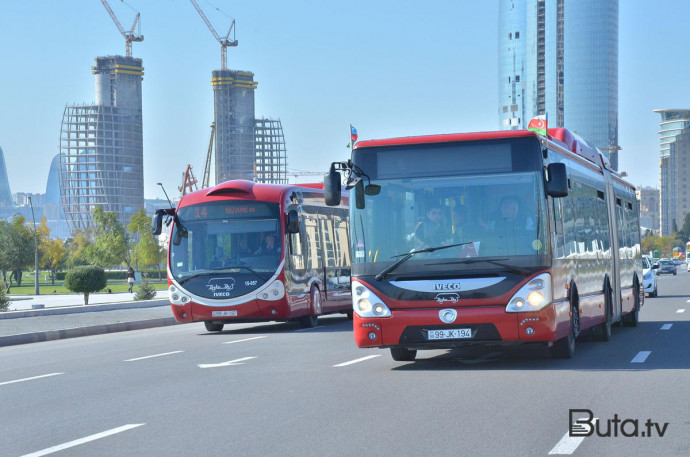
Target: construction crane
{"x": 296, "y": 173}
{"x": 188, "y": 182}
{"x": 129, "y": 36}
{"x": 224, "y": 42}
{"x": 205, "y": 180}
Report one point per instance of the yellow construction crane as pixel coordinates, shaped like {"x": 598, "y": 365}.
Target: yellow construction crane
{"x": 129, "y": 36}
{"x": 205, "y": 180}
{"x": 224, "y": 42}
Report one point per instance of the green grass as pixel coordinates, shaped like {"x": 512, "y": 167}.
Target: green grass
{"x": 45, "y": 288}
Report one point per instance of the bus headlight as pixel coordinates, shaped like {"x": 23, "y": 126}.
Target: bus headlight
{"x": 366, "y": 303}
{"x": 533, "y": 296}
{"x": 275, "y": 291}
{"x": 177, "y": 297}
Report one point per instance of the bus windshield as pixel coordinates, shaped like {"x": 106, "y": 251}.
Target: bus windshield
{"x": 226, "y": 235}
{"x": 494, "y": 219}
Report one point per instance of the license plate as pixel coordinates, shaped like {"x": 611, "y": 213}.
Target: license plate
{"x": 451, "y": 334}
{"x": 223, "y": 313}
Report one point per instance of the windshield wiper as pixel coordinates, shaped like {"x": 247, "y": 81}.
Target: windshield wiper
{"x": 496, "y": 262}
{"x": 404, "y": 258}
{"x": 212, "y": 271}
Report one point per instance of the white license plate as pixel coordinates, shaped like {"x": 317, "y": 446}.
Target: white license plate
{"x": 223, "y": 313}
{"x": 451, "y": 334}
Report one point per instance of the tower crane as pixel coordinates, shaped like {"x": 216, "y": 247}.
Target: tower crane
{"x": 205, "y": 180}
{"x": 224, "y": 42}
{"x": 129, "y": 36}
{"x": 188, "y": 182}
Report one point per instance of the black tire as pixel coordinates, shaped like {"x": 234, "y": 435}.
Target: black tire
{"x": 633, "y": 318}
{"x": 403, "y": 354}
{"x": 211, "y": 327}
{"x": 349, "y": 314}
{"x": 565, "y": 347}
{"x": 311, "y": 320}
{"x": 603, "y": 330}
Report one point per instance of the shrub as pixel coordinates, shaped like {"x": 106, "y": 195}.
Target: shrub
{"x": 4, "y": 300}
{"x": 145, "y": 291}
{"x": 86, "y": 280}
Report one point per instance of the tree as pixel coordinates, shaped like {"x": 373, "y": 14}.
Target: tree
{"x": 145, "y": 248}
{"x": 145, "y": 290}
{"x": 16, "y": 249}
{"x": 76, "y": 249}
{"x": 4, "y": 300}
{"x": 86, "y": 279}
{"x": 54, "y": 254}
{"x": 110, "y": 245}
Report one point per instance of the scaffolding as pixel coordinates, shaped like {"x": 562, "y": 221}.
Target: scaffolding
{"x": 271, "y": 157}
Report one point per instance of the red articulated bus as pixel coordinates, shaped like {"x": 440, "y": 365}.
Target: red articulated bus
{"x": 488, "y": 238}
{"x": 248, "y": 252}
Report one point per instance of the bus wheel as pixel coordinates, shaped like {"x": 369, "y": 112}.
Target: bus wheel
{"x": 565, "y": 347}
{"x": 211, "y": 327}
{"x": 403, "y": 354}
{"x": 604, "y": 329}
{"x": 311, "y": 319}
{"x": 633, "y": 318}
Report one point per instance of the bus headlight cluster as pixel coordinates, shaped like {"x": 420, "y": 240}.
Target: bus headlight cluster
{"x": 365, "y": 302}
{"x": 274, "y": 292}
{"x": 533, "y": 296}
{"x": 177, "y": 297}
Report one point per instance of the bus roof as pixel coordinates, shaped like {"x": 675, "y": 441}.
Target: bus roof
{"x": 243, "y": 189}
{"x": 561, "y": 136}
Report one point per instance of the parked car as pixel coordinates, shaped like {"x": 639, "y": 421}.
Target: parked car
{"x": 688, "y": 264}
{"x": 649, "y": 277}
{"x": 677, "y": 262}
{"x": 667, "y": 267}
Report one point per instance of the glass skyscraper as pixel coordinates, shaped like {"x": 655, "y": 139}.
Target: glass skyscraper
{"x": 561, "y": 57}
{"x": 674, "y": 172}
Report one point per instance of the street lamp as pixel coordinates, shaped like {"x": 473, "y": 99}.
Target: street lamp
{"x": 36, "y": 250}
{"x": 166, "y": 194}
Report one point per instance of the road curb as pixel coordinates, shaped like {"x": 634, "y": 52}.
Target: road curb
{"x": 26, "y": 338}
{"x": 85, "y": 309}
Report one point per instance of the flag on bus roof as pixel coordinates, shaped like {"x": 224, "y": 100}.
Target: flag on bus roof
{"x": 539, "y": 124}
{"x": 353, "y": 135}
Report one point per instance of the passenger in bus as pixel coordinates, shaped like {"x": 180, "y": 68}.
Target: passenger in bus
{"x": 509, "y": 217}
{"x": 217, "y": 260}
{"x": 242, "y": 249}
{"x": 432, "y": 232}
{"x": 269, "y": 246}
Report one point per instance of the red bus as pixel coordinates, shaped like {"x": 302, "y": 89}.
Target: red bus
{"x": 248, "y": 252}
{"x": 488, "y": 238}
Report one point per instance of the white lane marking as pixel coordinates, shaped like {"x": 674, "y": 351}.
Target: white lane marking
{"x": 307, "y": 329}
{"x": 641, "y": 357}
{"x": 87, "y": 439}
{"x": 246, "y": 339}
{"x": 680, "y": 311}
{"x": 357, "y": 360}
{"x": 152, "y": 356}
{"x": 568, "y": 444}
{"x": 666, "y": 326}
{"x": 30, "y": 379}
{"x": 225, "y": 364}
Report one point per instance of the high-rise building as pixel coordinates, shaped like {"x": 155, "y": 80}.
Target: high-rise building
{"x": 271, "y": 157}
{"x": 674, "y": 172}
{"x": 6, "y": 202}
{"x": 648, "y": 198}
{"x": 101, "y": 146}
{"x": 561, "y": 57}
{"x": 233, "y": 97}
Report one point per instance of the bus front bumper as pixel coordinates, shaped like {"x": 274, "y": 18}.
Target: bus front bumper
{"x": 423, "y": 328}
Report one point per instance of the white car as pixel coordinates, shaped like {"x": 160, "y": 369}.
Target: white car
{"x": 649, "y": 277}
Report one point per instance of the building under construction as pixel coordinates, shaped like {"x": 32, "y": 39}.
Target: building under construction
{"x": 271, "y": 157}
{"x": 101, "y": 146}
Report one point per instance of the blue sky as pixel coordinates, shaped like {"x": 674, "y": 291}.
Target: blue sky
{"x": 391, "y": 68}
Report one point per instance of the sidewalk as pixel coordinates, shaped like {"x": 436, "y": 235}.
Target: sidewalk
{"x": 48, "y": 317}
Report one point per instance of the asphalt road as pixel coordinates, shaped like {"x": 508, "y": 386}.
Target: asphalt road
{"x": 263, "y": 390}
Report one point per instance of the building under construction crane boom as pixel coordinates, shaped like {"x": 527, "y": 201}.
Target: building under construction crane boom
{"x": 129, "y": 36}
{"x": 205, "y": 180}
{"x": 224, "y": 42}
{"x": 188, "y": 181}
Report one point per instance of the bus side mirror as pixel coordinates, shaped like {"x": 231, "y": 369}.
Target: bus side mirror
{"x": 359, "y": 194}
{"x": 157, "y": 223}
{"x": 557, "y": 185}
{"x": 292, "y": 222}
{"x": 331, "y": 187}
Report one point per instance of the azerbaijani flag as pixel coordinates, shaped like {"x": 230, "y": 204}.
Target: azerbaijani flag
{"x": 539, "y": 124}
{"x": 353, "y": 135}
